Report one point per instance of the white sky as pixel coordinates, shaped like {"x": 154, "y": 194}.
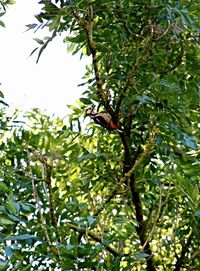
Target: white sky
{"x": 50, "y": 84}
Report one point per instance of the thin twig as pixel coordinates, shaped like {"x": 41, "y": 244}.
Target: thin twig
{"x": 96, "y": 238}
{"x": 159, "y": 213}
{"x": 46, "y": 176}
{"x": 36, "y": 198}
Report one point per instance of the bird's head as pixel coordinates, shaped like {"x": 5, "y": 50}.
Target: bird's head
{"x": 89, "y": 111}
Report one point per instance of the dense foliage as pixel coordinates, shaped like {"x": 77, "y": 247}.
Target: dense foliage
{"x": 76, "y": 196}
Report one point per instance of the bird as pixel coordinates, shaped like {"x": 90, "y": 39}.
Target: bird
{"x": 103, "y": 118}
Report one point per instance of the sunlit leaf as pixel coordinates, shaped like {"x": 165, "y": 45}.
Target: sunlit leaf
{"x": 5, "y": 221}
{"x": 3, "y": 187}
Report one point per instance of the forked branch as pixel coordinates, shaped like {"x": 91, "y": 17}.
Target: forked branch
{"x": 138, "y": 162}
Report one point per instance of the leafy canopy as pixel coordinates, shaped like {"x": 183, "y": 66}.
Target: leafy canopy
{"x": 75, "y": 196}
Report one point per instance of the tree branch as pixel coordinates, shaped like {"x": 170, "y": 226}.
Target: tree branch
{"x": 46, "y": 174}
{"x": 36, "y": 198}
{"x": 140, "y": 229}
{"x": 136, "y": 199}
{"x": 128, "y": 174}
{"x": 131, "y": 75}
{"x": 87, "y": 26}
{"x": 96, "y": 238}
{"x": 161, "y": 206}
{"x": 53, "y": 249}
{"x": 185, "y": 249}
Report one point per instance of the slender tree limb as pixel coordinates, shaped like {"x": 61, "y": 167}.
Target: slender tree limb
{"x": 136, "y": 199}
{"x": 163, "y": 32}
{"x": 124, "y": 140}
{"x": 128, "y": 174}
{"x": 46, "y": 175}
{"x": 36, "y": 198}
{"x": 87, "y": 26}
{"x": 130, "y": 80}
{"x": 143, "y": 155}
{"x": 196, "y": 253}
{"x": 90, "y": 20}
{"x": 48, "y": 170}
{"x": 95, "y": 238}
{"x": 185, "y": 249}
{"x": 53, "y": 249}
{"x": 140, "y": 229}
{"x": 159, "y": 214}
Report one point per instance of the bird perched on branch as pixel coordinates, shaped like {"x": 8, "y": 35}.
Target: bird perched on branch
{"x": 102, "y": 118}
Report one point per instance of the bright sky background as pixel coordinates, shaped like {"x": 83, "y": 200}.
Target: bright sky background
{"x": 49, "y": 85}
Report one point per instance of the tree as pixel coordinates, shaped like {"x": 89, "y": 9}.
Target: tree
{"x": 86, "y": 198}
{"x": 3, "y": 6}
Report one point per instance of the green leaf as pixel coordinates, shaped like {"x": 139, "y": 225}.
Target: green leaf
{"x": 141, "y": 255}
{"x": 2, "y": 24}
{"x": 86, "y": 101}
{"x": 68, "y": 264}
{"x": 49, "y": 7}
{"x": 69, "y": 247}
{"x": 145, "y": 99}
{"x": 10, "y": 205}
{"x": 2, "y": 14}
{"x": 39, "y": 41}
{"x": 31, "y": 26}
{"x": 28, "y": 267}
{"x": 8, "y": 251}
{"x": 3, "y": 266}
{"x": 3, "y": 187}
{"x": 76, "y": 39}
{"x": 14, "y": 218}
{"x": 1, "y": 94}
{"x": 70, "y": 47}
{"x": 21, "y": 237}
{"x": 26, "y": 207}
{"x": 5, "y": 221}
{"x": 90, "y": 220}
{"x": 55, "y": 23}
{"x": 197, "y": 214}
